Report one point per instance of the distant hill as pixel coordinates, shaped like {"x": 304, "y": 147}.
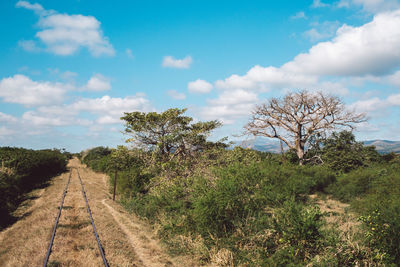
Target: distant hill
{"x": 384, "y": 146}
{"x": 269, "y": 145}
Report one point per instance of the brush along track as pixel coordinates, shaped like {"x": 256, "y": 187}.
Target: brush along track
{"x": 58, "y": 217}
{"x": 127, "y": 240}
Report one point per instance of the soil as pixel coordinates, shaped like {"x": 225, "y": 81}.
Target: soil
{"x": 126, "y": 240}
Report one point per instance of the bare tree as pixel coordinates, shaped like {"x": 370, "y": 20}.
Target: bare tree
{"x": 296, "y": 117}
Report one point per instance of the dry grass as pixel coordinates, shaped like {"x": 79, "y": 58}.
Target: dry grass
{"x": 337, "y": 213}
{"x": 25, "y": 242}
{"x": 126, "y": 240}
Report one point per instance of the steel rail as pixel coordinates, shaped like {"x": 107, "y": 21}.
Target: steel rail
{"x": 91, "y": 219}
{"x": 57, "y": 219}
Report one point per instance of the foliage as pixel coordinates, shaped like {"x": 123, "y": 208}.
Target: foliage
{"x": 341, "y": 152}
{"x": 247, "y": 208}
{"x": 21, "y": 171}
{"x": 374, "y": 193}
{"x": 169, "y": 134}
{"x": 238, "y": 198}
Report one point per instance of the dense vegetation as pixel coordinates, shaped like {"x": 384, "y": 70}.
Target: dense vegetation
{"x": 21, "y": 171}
{"x": 244, "y": 207}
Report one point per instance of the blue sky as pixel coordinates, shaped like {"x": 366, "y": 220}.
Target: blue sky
{"x": 69, "y": 69}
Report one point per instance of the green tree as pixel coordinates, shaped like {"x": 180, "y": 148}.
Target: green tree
{"x": 341, "y": 152}
{"x": 168, "y": 133}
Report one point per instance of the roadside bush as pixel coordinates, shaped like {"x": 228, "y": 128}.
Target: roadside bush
{"x": 96, "y": 158}
{"x": 21, "y": 171}
{"x": 374, "y": 193}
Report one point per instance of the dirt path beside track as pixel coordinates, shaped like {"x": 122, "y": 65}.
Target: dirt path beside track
{"x": 127, "y": 241}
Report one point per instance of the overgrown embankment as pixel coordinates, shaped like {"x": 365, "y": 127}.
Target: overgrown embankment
{"x": 21, "y": 171}
{"x": 243, "y": 207}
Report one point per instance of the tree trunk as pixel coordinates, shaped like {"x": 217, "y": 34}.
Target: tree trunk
{"x": 300, "y": 151}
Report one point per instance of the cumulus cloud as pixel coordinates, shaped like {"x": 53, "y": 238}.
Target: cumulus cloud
{"x": 98, "y": 83}
{"x": 48, "y": 119}
{"x": 200, "y": 87}
{"x": 369, "y": 105}
{"x": 7, "y": 118}
{"x": 394, "y": 100}
{"x": 64, "y": 34}
{"x": 37, "y": 8}
{"x": 5, "y": 132}
{"x": 21, "y": 89}
{"x": 176, "y": 95}
{"x": 171, "y": 62}
{"x": 368, "y": 49}
{"x": 230, "y": 105}
{"x": 371, "y": 6}
{"x": 394, "y": 78}
{"x": 106, "y": 109}
{"x": 321, "y": 30}
{"x": 265, "y": 78}
{"x": 376, "y": 106}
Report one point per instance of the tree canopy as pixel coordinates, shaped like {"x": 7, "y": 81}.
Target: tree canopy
{"x": 168, "y": 133}
{"x": 297, "y": 117}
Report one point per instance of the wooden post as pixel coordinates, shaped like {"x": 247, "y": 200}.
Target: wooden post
{"x": 115, "y": 184}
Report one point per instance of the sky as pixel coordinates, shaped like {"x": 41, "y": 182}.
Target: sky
{"x": 70, "y": 69}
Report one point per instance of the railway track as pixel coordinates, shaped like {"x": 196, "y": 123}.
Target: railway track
{"x": 49, "y": 250}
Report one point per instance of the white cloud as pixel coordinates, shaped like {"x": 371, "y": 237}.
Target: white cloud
{"x": 21, "y": 89}
{"x": 7, "y": 118}
{"x": 230, "y": 105}
{"x": 369, "y": 49}
{"x": 5, "y": 132}
{"x": 105, "y": 110}
{"x": 265, "y": 78}
{"x": 37, "y": 8}
{"x": 376, "y": 106}
{"x": 322, "y": 30}
{"x": 343, "y": 3}
{"x": 47, "y": 119}
{"x": 366, "y": 51}
{"x": 176, "y": 95}
{"x": 367, "y": 127}
{"x": 200, "y": 87}
{"x": 394, "y": 79}
{"x": 171, "y": 62}
{"x": 299, "y": 15}
{"x": 98, "y": 83}
{"x": 318, "y": 3}
{"x": 107, "y": 105}
{"x": 369, "y": 105}
{"x": 394, "y": 100}
{"x": 65, "y": 34}
{"x": 371, "y": 6}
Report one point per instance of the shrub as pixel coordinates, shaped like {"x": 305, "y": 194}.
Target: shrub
{"x": 299, "y": 228}
{"x": 21, "y": 171}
